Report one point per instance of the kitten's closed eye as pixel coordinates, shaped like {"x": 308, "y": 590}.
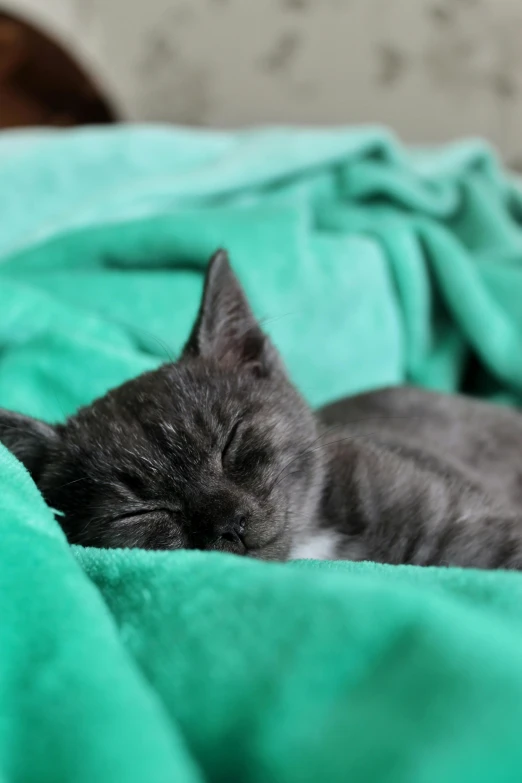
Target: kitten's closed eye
{"x": 245, "y": 453}
{"x": 230, "y": 441}
{"x": 131, "y": 515}
{"x": 147, "y": 528}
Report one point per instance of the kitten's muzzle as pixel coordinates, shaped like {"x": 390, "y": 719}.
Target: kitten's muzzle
{"x": 234, "y": 529}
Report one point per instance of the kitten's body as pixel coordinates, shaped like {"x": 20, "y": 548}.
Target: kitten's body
{"x": 219, "y": 451}
{"x": 423, "y": 478}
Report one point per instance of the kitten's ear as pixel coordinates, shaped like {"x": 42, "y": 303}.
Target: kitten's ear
{"x": 226, "y": 329}
{"x": 28, "y": 439}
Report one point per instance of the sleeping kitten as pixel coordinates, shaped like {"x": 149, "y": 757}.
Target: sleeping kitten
{"x": 219, "y": 451}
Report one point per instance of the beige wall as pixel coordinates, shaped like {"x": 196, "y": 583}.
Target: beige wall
{"x": 432, "y": 69}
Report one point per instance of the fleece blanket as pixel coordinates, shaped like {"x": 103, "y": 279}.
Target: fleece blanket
{"x": 369, "y": 265}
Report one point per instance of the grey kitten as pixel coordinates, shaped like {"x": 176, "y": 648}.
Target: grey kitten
{"x": 219, "y": 451}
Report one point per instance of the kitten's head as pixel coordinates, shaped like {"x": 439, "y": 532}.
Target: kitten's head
{"x": 217, "y": 451}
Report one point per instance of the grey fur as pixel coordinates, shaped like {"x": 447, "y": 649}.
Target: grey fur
{"x": 219, "y": 451}
{"x": 425, "y": 478}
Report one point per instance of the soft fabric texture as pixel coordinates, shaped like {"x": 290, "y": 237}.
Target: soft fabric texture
{"x": 369, "y": 266}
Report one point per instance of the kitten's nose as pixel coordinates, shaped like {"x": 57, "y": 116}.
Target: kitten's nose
{"x": 234, "y": 528}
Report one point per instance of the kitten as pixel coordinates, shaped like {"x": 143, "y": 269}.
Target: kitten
{"x": 219, "y": 451}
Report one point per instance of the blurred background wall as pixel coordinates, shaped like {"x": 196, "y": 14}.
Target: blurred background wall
{"x": 431, "y": 69}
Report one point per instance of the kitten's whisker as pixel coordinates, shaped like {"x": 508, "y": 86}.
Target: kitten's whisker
{"x": 75, "y": 481}
{"x": 302, "y": 453}
{"x": 286, "y": 475}
{"x": 167, "y": 350}
{"x": 272, "y": 318}
{"x": 310, "y": 449}
{"x": 60, "y": 406}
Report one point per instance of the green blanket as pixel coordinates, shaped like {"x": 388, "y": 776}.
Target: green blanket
{"x": 369, "y": 266}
